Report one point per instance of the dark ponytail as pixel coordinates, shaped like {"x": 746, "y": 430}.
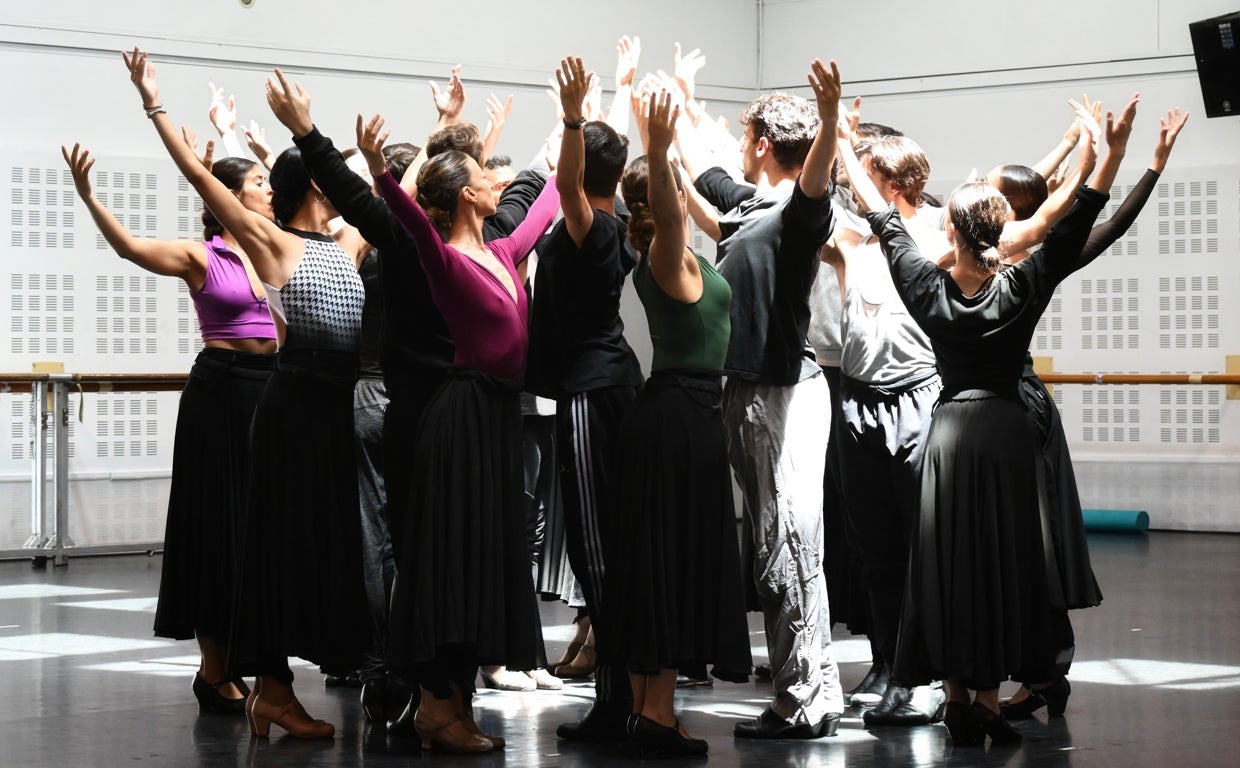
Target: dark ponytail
{"x": 290, "y": 181}
{"x": 440, "y": 182}
{"x": 979, "y": 212}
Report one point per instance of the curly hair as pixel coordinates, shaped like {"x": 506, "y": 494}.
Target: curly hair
{"x": 788, "y": 122}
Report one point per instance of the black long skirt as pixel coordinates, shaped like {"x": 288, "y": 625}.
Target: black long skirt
{"x": 983, "y": 602}
{"x": 301, "y": 589}
{"x": 1076, "y": 573}
{"x": 463, "y": 573}
{"x": 678, "y": 592}
{"x": 210, "y": 473}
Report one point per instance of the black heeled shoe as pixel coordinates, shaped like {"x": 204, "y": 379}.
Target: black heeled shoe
{"x": 212, "y": 702}
{"x": 655, "y": 740}
{"x": 989, "y": 723}
{"x": 959, "y": 721}
{"x": 374, "y": 701}
{"x": 1054, "y": 697}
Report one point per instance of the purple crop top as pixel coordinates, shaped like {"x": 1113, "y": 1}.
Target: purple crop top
{"x": 226, "y": 305}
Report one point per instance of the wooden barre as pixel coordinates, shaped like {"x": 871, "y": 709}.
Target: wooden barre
{"x": 1140, "y": 378}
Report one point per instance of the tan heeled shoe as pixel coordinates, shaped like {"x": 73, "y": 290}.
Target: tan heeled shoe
{"x": 452, "y": 735}
{"x": 292, "y": 717}
{"x": 463, "y": 712}
{"x": 582, "y": 666}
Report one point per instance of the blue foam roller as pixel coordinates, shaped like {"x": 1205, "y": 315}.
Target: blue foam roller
{"x": 1116, "y": 520}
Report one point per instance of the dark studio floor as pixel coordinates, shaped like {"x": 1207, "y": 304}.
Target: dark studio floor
{"x": 1156, "y": 682}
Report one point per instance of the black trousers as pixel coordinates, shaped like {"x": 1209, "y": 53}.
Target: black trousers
{"x": 587, "y": 427}
{"x": 881, "y": 445}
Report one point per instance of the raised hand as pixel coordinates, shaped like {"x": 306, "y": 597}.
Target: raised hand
{"x": 1169, "y": 129}
{"x": 290, "y": 104}
{"x": 663, "y": 115}
{"x": 1087, "y": 118}
{"x": 371, "y": 136}
{"x": 826, "y": 85}
{"x": 256, "y": 140}
{"x": 142, "y": 75}
{"x": 497, "y": 114}
{"x": 685, "y": 68}
{"x": 639, "y": 101}
{"x": 574, "y": 85}
{"x": 1060, "y": 174}
{"x": 207, "y": 158}
{"x": 850, "y": 120}
{"x": 451, "y": 101}
{"x": 80, "y": 162}
{"x": 223, "y": 116}
{"x": 1119, "y": 129}
{"x": 627, "y": 53}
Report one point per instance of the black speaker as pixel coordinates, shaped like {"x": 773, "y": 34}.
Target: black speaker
{"x": 1218, "y": 63}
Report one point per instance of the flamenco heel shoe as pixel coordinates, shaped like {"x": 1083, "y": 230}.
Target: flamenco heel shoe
{"x": 453, "y": 735}
{"x": 991, "y": 724}
{"x": 581, "y": 666}
{"x": 374, "y": 701}
{"x": 211, "y": 701}
{"x": 570, "y": 653}
{"x": 655, "y": 740}
{"x": 1054, "y": 697}
{"x": 959, "y": 721}
{"x": 292, "y": 717}
{"x": 896, "y": 708}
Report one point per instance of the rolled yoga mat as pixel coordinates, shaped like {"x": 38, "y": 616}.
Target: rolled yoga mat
{"x": 1116, "y": 520}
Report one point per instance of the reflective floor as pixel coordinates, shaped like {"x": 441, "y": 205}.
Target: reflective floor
{"x": 1156, "y": 682}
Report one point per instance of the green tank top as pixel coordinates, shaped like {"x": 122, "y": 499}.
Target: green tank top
{"x": 686, "y": 337}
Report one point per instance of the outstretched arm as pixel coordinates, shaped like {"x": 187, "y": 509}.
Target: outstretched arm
{"x": 258, "y": 236}
{"x": 628, "y": 51}
{"x": 815, "y": 177}
{"x": 179, "y": 258}
{"x": 449, "y": 103}
{"x": 1105, "y": 234}
{"x": 497, "y": 118}
{"x": 1053, "y": 159}
{"x": 674, "y": 270}
{"x": 574, "y": 84}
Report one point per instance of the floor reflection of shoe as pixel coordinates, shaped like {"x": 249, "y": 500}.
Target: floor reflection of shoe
{"x": 769, "y": 725}
{"x": 505, "y": 679}
{"x": 545, "y": 680}
{"x": 684, "y": 681}
{"x": 762, "y": 672}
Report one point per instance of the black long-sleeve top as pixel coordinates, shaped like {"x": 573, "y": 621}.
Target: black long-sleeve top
{"x": 980, "y": 340}
{"x": 771, "y": 263}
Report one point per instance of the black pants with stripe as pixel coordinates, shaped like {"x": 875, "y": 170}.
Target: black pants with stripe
{"x": 587, "y": 425}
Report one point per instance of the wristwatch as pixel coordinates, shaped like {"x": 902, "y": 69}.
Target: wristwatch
{"x": 574, "y": 125}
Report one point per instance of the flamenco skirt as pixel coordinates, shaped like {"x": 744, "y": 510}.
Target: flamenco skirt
{"x": 210, "y": 472}
{"x": 463, "y": 573}
{"x": 301, "y": 589}
{"x": 1080, "y": 587}
{"x": 983, "y": 601}
{"x": 679, "y": 593}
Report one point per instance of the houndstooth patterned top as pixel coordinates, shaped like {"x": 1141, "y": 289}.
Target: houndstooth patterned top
{"x": 322, "y": 300}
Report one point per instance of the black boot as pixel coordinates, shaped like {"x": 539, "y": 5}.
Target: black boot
{"x": 896, "y": 709}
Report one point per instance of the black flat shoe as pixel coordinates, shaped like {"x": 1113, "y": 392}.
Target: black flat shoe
{"x": 603, "y": 723}
{"x": 959, "y": 722}
{"x": 210, "y": 700}
{"x": 769, "y": 725}
{"x": 1054, "y": 697}
{"x": 875, "y": 683}
{"x": 896, "y": 709}
{"x": 655, "y": 740}
{"x": 999, "y": 730}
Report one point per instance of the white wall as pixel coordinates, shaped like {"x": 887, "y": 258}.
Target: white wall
{"x": 975, "y": 83}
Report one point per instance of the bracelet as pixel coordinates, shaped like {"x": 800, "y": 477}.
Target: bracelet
{"x": 158, "y": 109}
{"x": 574, "y": 125}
